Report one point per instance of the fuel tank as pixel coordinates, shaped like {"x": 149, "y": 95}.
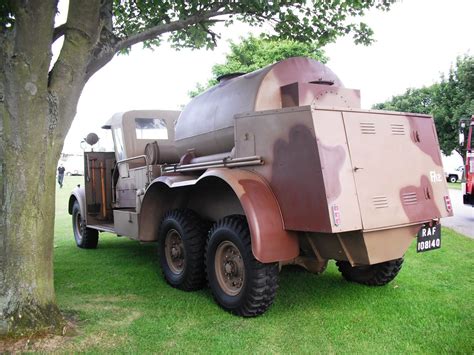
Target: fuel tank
{"x": 207, "y": 122}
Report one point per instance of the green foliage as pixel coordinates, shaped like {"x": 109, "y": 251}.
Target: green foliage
{"x": 448, "y": 101}
{"x": 454, "y": 99}
{"x": 314, "y": 21}
{"x": 121, "y": 303}
{"x": 253, "y": 53}
{"x": 413, "y": 100}
{"x": 6, "y": 16}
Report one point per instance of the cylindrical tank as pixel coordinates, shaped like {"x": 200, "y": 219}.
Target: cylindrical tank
{"x": 207, "y": 122}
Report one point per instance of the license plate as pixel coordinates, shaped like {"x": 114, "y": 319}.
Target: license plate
{"x": 429, "y": 238}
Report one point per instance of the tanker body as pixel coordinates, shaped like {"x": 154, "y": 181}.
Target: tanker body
{"x": 275, "y": 167}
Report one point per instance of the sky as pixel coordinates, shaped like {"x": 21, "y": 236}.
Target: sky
{"x": 415, "y": 42}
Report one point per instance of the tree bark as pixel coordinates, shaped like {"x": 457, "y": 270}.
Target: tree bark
{"x": 37, "y": 108}
{"x": 27, "y": 301}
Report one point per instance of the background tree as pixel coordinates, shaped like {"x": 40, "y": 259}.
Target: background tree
{"x": 253, "y": 53}
{"x": 448, "y": 101}
{"x": 38, "y": 100}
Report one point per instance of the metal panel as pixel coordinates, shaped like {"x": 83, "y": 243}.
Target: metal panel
{"x": 337, "y": 171}
{"x": 397, "y": 168}
{"x": 286, "y": 141}
{"x": 126, "y": 223}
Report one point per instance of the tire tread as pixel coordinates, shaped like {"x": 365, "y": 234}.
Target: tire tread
{"x": 90, "y": 237}
{"x": 194, "y": 233}
{"x": 263, "y": 285}
{"x": 373, "y": 275}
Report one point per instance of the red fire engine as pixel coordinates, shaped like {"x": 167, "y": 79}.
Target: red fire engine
{"x": 468, "y": 182}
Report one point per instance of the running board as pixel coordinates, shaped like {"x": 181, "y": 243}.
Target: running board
{"x": 102, "y": 228}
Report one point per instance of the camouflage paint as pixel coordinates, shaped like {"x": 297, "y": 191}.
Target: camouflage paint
{"x": 334, "y": 175}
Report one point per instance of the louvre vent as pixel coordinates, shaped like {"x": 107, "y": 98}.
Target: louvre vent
{"x": 380, "y": 201}
{"x": 367, "y": 128}
{"x": 398, "y": 129}
{"x": 409, "y": 198}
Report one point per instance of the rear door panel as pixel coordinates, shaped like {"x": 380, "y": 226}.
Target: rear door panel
{"x": 397, "y": 168}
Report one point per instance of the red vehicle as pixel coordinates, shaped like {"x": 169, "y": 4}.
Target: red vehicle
{"x": 468, "y": 184}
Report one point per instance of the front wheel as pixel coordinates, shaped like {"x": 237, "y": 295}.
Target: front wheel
{"x": 86, "y": 238}
{"x": 239, "y": 283}
{"x": 371, "y": 275}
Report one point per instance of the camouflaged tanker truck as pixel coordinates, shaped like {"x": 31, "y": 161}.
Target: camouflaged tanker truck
{"x": 275, "y": 167}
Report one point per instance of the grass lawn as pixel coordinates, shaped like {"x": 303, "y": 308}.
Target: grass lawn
{"x": 122, "y": 304}
{"x": 454, "y": 185}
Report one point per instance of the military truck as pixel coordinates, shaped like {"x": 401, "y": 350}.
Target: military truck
{"x": 279, "y": 166}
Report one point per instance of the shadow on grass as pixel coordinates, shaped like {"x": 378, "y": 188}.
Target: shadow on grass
{"x": 121, "y": 265}
{"x": 118, "y": 289}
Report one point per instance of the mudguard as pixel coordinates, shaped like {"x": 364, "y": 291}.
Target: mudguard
{"x": 270, "y": 241}
{"x": 79, "y": 195}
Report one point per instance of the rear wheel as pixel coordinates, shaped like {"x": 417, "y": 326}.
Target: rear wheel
{"x": 371, "y": 275}
{"x": 86, "y": 238}
{"x": 239, "y": 283}
{"x": 452, "y": 178}
{"x": 182, "y": 237}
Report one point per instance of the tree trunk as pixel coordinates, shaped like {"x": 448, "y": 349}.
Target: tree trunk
{"x": 27, "y": 301}
{"x": 27, "y": 188}
{"x": 37, "y": 107}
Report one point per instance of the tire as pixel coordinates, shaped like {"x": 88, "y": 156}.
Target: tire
{"x": 86, "y": 238}
{"x": 239, "y": 283}
{"x": 371, "y": 275}
{"x": 452, "y": 178}
{"x": 182, "y": 237}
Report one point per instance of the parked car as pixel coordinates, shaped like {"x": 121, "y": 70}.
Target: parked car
{"x": 74, "y": 172}
{"x": 454, "y": 175}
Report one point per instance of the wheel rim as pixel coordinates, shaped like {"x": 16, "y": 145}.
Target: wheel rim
{"x": 174, "y": 251}
{"x": 230, "y": 268}
{"x": 78, "y": 226}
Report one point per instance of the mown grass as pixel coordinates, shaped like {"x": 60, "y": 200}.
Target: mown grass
{"x": 454, "y": 185}
{"x": 122, "y": 304}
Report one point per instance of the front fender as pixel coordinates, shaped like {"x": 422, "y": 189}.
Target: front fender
{"x": 270, "y": 241}
{"x": 79, "y": 195}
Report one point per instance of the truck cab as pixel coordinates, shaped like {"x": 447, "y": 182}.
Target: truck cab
{"x": 115, "y": 181}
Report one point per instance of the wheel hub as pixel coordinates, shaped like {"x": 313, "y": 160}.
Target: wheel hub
{"x": 174, "y": 251}
{"x": 230, "y": 268}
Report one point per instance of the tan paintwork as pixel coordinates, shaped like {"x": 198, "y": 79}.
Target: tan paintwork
{"x": 125, "y": 122}
{"x": 356, "y": 160}
{"x": 397, "y": 181}
{"x": 325, "y": 177}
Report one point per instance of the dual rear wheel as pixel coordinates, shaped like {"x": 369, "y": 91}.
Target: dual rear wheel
{"x": 190, "y": 253}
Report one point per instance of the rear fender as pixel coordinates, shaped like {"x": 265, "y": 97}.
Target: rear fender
{"x": 270, "y": 241}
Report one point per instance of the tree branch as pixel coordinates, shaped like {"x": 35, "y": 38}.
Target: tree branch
{"x": 213, "y": 35}
{"x": 169, "y": 27}
{"x": 112, "y": 45}
{"x": 59, "y": 32}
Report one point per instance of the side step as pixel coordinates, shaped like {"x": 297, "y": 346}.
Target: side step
{"x": 102, "y": 227}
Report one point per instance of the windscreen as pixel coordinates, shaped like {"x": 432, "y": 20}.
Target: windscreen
{"x": 151, "y": 128}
